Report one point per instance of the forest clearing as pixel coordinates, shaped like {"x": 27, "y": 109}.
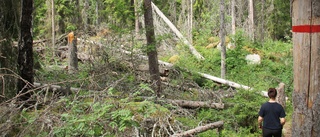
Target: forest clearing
{"x": 156, "y": 68}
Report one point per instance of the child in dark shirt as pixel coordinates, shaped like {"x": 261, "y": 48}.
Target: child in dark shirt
{"x": 272, "y": 115}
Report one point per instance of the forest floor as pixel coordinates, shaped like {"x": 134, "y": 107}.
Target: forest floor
{"x": 287, "y": 129}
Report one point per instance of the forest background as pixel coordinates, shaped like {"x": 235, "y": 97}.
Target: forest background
{"x": 116, "y": 96}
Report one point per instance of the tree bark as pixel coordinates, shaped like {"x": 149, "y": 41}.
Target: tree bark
{"x": 199, "y": 129}
{"x": 25, "y": 52}
{"x": 151, "y": 47}
{"x": 73, "y": 59}
{"x": 222, "y": 39}
{"x": 306, "y": 54}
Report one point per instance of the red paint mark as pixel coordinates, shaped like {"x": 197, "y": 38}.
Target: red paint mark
{"x": 306, "y": 28}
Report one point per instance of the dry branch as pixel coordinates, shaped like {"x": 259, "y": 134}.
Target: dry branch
{"x": 196, "y": 104}
{"x": 199, "y": 129}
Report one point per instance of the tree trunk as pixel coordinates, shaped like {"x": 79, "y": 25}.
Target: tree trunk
{"x": 196, "y": 104}
{"x": 233, "y": 16}
{"x": 25, "y": 52}
{"x": 85, "y": 15}
{"x": 199, "y": 129}
{"x": 73, "y": 59}
{"x": 251, "y": 21}
{"x": 97, "y": 14}
{"x": 136, "y": 14}
{"x": 151, "y": 47}
{"x": 222, "y": 38}
{"x": 53, "y": 27}
{"x": 306, "y": 54}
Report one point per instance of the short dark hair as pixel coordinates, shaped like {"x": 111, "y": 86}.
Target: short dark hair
{"x": 272, "y": 93}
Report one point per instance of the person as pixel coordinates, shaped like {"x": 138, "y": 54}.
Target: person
{"x": 272, "y": 116}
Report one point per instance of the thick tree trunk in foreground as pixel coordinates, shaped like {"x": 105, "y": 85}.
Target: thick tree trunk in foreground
{"x": 306, "y": 55}
{"x": 199, "y": 129}
{"x": 151, "y": 47}
{"x": 25, "y": 52}
{"x": 73, "y": 59}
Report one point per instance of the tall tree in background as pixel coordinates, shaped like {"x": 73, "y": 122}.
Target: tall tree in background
{"x": 222, "y": 38}
{"x": 25, "y": 53}
{"x": 233, "y": 16}
{"x": 306, "y": 45}
{"x": 151, "y": 47}
{"x": 9, "y": 21}
{"x": 53, "y": 25}
{"x": 251, "y": 19}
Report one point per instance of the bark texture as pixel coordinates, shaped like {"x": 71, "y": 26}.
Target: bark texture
{"x": 25, "y": 53}
{"x": 306, "y": 55}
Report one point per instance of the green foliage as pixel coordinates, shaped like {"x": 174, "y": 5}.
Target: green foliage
{"x": 279, "y": 22}
{"x": 80, "y": 123}
{"x": 120, "y": 11}
{"x": 121, "y": 119}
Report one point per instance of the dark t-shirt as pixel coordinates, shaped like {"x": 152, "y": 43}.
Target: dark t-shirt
{"x": 271, "y": 113}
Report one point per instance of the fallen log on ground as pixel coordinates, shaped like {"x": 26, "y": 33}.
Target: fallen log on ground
{"x": 196, "y": 104}
{"x": 199, "y": 129}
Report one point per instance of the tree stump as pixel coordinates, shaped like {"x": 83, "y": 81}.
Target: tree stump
{"x": 73, "y": 59}
{"x": 281, "y": 96}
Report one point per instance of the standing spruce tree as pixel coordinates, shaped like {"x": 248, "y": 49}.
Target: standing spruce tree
{"x": 25, "y": 53}
{"x": 151, "y": 47}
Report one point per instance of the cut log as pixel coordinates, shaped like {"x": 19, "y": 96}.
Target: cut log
{"x": 199, "y": 129}
{"x": 196, "y": 104}
{"x": 177, "y": 32}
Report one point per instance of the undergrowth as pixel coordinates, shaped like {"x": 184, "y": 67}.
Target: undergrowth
{"x": 116, "y": 100}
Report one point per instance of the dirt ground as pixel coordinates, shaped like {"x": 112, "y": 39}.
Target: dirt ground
{"x": 287, "y": 129}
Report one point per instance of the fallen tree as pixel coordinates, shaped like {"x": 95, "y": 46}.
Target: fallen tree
{"x": 196, "y": 104}
{"x": 199, "y": 129}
